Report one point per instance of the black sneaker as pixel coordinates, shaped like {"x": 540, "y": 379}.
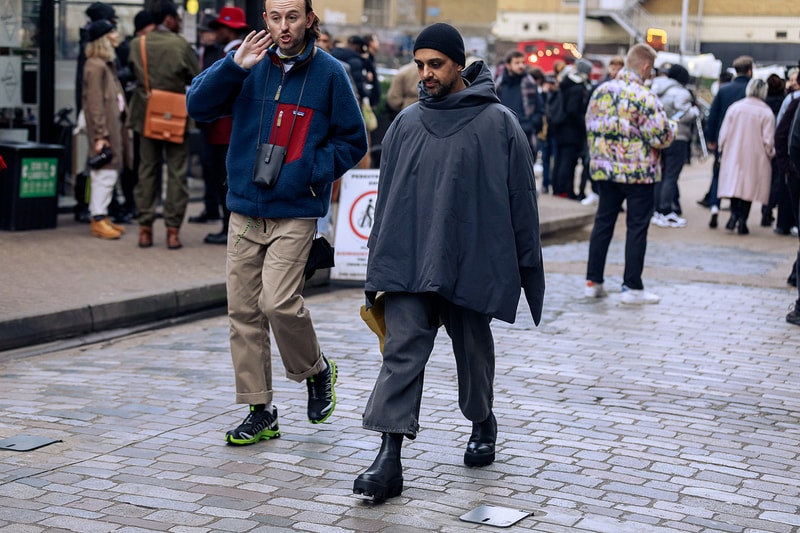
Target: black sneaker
{"x": 258, "y": 425}
{"x": 321, "y": 395}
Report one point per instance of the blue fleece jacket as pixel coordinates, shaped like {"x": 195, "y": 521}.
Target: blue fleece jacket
{"x": 325, "y": 136}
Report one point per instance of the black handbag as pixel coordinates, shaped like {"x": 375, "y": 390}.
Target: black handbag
{"x": 320, "y": 256}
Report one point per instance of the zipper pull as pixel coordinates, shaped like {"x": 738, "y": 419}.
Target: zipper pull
{"x": 310, "y": 188}
{"x": 278, "y": 93}
{"x": 280, "y": 117}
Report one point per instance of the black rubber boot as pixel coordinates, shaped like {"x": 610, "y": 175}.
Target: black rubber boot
{"x": 384, "y": 479}
{"x": 480, "y": 448}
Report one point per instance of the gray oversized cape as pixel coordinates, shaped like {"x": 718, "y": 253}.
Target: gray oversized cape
{"x": 456, "y": 212}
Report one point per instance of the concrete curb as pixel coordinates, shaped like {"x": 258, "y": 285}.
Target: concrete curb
{"x": 27, "y": 331}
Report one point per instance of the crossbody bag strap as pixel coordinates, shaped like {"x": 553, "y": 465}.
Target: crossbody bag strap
{"x": 144, "y": 64}
{"x": 296, "y": 111}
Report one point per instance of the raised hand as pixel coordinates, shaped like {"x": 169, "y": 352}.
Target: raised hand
{"x": 253, "y": 49}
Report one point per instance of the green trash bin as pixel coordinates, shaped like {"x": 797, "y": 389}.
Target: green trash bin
{"x": 29, "y": 186}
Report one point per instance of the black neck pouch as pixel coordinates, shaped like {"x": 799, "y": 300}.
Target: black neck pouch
{"x": 270, "y": 157}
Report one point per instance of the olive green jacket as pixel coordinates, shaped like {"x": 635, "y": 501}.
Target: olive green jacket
{"x": 171, "y": 65}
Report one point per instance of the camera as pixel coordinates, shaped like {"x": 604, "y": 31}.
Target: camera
{"x": 100, "y": 159}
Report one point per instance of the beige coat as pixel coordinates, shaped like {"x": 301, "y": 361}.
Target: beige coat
{"x": 747, "y": 144}
{"x": 103, "y": 108}
{"x": 404, "y": 89}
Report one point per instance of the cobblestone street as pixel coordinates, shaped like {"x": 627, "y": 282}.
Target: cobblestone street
{"x": 683, "y": 416}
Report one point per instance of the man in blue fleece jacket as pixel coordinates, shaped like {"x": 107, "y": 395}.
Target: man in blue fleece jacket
{"x": 281, "y": 90}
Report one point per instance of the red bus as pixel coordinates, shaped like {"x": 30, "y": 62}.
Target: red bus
{"x": 543, "y": 54}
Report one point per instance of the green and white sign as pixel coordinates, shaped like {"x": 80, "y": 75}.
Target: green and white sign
{"x": 39, "y": 177}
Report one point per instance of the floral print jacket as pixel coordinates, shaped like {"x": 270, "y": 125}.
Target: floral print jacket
{"x": 626, "y": 130}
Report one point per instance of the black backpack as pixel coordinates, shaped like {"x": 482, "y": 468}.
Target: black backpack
{"x": 554, "y": 109}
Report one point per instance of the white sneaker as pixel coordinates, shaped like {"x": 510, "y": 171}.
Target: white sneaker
{"x": 659, "y": 220}
{"x": 793, "y": 231}
{"x": 594, "y": 290}
{"x": 674, "y": 221}
{"x": 638, "y": 297}
{"x": 591, "y": 199}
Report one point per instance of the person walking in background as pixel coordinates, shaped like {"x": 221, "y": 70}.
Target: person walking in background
{"x": 776, "y": 90}
{"x": 171, "y": 65}
{"x": 373, "y": 86}
{"x": 283, "y": 94}
{"x": 547, "y": 139}
{"x": 790, "y": 177}
{"x": 627, "y": 128}
{"x": 518, "y": 91}
{"x": 793, "y": 317}
{"x": 404, "y": 89}
{"x": 615, "y": 64}
{"x": 208, "y": 51}
{"x": 230, "y": 27}
{"x": 142, "y": 25}
{"x": 96, "y": 11}
{"x": 569, "y": 128}
{"x": 726, "y": 95}
{"x": 451, "y": 214}
{"x": 746, "y": 146}
{"x": 678, "y": 105}
{"x": 104, "y": 108}
{"x": 792, "y": 90}
{"x": 786, "y": 220}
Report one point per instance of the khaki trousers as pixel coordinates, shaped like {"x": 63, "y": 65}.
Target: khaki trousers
{"x": 266, "y": 259}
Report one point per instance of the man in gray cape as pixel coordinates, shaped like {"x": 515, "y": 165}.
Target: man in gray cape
{"x": 455, "y": 237}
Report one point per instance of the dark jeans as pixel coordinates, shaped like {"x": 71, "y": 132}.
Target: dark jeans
{"x": 215, "y": 174}
{"x": 787, "y": 196}
{"x": 548, "y": 148}
{"x": 713, "y": 199}
{"x": 640, "y": 200}
{"x": 567, "y": 156}
{"x": 794, "y": 192}
{"x": 412, "y": 322}
{"x": 666, "y": 191}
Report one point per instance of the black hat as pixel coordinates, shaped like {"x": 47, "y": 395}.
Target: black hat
{"x": 356, "y": 40}
{"x": 98, "y": 28}
{"x": 142, "y": 19}
{"x": 444, "y": 38}
{"x": 100, "y": 11}
{"x": 678, "y": 73}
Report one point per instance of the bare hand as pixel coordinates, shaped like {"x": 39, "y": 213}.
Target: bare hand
{"x": 712, "y": 146}
{"x": 253, "y": 49}
{"x": 99, "y": 144}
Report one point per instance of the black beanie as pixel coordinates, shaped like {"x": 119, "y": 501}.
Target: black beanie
{"x": 444, "y": 38}
{"x": 98, "y": 28}
{"x": 100, "y": 11}
{"x": 679, "y": 74}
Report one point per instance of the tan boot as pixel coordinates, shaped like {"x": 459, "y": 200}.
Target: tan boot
{"x": 173, "y": 242}
{"x": 145, "y": 236}
{"x": 100, "y": 228}
{"x": 117, "y": 227}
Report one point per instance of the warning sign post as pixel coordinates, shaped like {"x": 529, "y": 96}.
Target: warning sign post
{"x": 357, "y": 197}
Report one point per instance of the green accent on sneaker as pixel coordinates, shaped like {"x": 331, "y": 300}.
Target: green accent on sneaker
{"x": 322, "y": 393}
{"x": 257, "y": 426}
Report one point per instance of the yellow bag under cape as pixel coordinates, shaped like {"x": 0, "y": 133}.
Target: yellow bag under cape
{"x": 375, "y": 319}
